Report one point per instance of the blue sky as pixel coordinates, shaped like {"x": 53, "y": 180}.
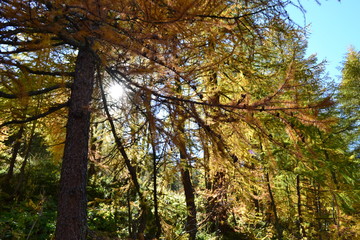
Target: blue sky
{"x": 334, "y": 27}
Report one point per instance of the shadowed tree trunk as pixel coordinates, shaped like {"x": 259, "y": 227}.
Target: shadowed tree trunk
{"x": 20, "y": 183}
{"x": 153, "y": 141}
{"x": 14, "y": 154}
{"x": 180, "y": 141}
{"x": 6, "y": 185}
{"x": 71, "y": 221}
{"x": 274, "y": 209}
{"x": 191, "y": 222}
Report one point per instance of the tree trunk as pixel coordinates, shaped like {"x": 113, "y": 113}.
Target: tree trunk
{"x": 15, "y": 151}
{"x": 6, "y": 184}
{"x": 273, "y": 206}
{"x": 152, "y": 128}
{"x": 128, "y": 204}
{"x": 152, "y": 131}
{"x": 71, "y": 220}
{"x": 156, "y": 204}
{"x": 20, "y": 183}
{"x": 191, "y": 222}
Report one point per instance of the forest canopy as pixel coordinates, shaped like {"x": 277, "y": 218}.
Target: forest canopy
{"x": 225, "y": 128}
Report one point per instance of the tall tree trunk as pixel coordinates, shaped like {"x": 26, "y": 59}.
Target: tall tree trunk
{"x": 180, "y": 141}
{"x": 217, "y": 207}
{"x": 191, "y": 222}
{"x": 6, "y": 185}
{"x": 152, "y": 129}
{"x": 156, "y": 204}
{"x": 217, "y": 204}
{"x": 15, "y": 151}
{"x": 128, "y": 204}
{"x": 26, "y": 158}
{"x": 273, "y": 206}
{"x": 71, "y": 220}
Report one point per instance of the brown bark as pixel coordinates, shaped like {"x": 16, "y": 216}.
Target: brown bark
{"x": 15, "y": 151}
{"x": 191, "y": 222}
{"x": 71, "y": 220}
{"x": 274, "y": 209}
{"x": 217, "y": 207}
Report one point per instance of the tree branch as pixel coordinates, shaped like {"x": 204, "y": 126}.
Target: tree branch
{"x": 35, "y": 92}
{"x": 38, "y": 72}
{"x": 32, "y": 71}
{"x": 31, "y": 49}
{"x": 232, "y": 18}
{"x": 248, "y": 107}
{"x": 41, "y": 115}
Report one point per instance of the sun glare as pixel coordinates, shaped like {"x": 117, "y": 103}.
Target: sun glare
{"x": 116, "y": 91}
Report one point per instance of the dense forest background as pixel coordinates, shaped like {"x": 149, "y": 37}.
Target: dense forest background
{"x": 224, "y": 128}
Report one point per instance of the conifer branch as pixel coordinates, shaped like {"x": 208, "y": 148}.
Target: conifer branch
{"x": 234, "y": 17}
{"x": 32, "y": 71}
{"x": 46, "y": 73}
{"x": 35, "y": 92}
{"x": 250, "y": 107}
{"x": 41, "y": 115}
{"x": 31, "y": 49}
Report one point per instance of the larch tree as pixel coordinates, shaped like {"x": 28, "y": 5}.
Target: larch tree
{"x": 233, "y": 69}
{"x": 134, "y": 28}
{"x": 348, "y": 96}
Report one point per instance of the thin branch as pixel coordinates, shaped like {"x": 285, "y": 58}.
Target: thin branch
{"x": 35, "y": 92}
{"x": 38, "y": 72}
{"x": 235, "y": 17}
{"x": 118, "y": 141}
{"x": 41, "y": 115}
{"x": 31, "y": 49}
{"x": 32, "y": 71}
